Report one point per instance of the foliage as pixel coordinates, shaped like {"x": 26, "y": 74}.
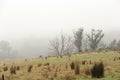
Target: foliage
{"x": 78, "y": 35}
{"x": 94, "y": 38}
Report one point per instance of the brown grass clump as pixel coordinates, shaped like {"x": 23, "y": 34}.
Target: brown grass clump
{"x": 114, "y": 59}
{"x": 2, "y": 77}
{"x": 84, "y": 62}
{"x": 98, "y": 70}
{"x": 72, "y": 65}
{"x": 77, "y": 69}
{"x": 30, "y": 68}
{"x": 39, "y": 65}
{"x": 5, "y": 68}
{"x": 18, "y": 68}
{"x": 90, "y": 62}
{"x": 13, "y": 70}
{"x": 87, "y": 71}
{"x": 47, "y": 64}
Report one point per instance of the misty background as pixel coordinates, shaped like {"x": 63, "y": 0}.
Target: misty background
{"x": 29, "y": 25}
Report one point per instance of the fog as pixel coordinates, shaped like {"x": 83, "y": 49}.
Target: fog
{"x": 29, "y": 25}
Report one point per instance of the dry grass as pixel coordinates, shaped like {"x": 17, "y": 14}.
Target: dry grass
{"x": 65, "y": 68}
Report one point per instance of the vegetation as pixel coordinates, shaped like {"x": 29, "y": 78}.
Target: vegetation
{"x": 65, "y": 65}
{"x": 64, "y": 68}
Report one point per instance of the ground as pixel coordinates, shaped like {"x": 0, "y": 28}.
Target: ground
{"x": 54, "y": 68}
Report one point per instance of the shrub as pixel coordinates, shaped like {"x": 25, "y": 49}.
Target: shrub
{"x": 13, "y": 70}
{"x": 90, "y": 62}
{"x": 47, "y": 64}
{"x": 83, "y": 62}
{"x": 114, "y": 59}
{"x": 30, "y": 68}
{"x": 18, "y": 68}
{"x": 5, "y": 68}
{"x": 72, "y": 65}
{"x": 98, "y": 70}
{"x": 39, "y": 64}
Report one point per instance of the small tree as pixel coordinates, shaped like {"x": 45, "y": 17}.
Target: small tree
{"x": 62, "y": 45}
{"x": 55, "y": 46}
{"x": 78, "y": 35}
{"x": 94, "y": 38}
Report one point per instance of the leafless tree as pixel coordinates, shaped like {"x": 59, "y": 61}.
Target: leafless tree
{"x": 78, "y": 35}
{"x": 55, "y": 46}
{"x": 94, "y": 38}
{"x": 62, "y": 45}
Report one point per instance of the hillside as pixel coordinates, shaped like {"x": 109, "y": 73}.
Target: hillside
{"x": 54, "y": 68}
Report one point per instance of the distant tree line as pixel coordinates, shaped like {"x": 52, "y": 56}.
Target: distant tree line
{"x": 5, "y": 47}
{"x": 79, "y": 42}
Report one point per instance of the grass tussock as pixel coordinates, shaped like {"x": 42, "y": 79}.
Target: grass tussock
{"x": 30, "y": 68}
{"x": 77, "y": 69}
{"x": 97, "y": 70}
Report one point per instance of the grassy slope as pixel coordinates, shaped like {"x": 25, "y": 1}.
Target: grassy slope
{"x": 107, "y": 57}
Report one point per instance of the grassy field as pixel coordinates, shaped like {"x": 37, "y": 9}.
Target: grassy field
{"x": 59, "y": 68}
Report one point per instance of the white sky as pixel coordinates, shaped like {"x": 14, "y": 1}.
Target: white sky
{"x": 46, "y": 18}
{"x": 21, "y": 18}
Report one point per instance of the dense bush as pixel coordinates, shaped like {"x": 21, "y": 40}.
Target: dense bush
{"x": 98, "y": 70}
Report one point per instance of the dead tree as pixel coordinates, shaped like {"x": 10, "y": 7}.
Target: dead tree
{"x": 61, "y": 45}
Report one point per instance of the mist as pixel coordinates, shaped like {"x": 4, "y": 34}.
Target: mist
{"x": 29, "y": 25}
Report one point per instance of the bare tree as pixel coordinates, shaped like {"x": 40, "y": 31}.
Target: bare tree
{"x": 62, "y": 45}
{"x": 94, "y": 38}
{"x": 55, "y": 46}
{"x": 78, "y": 35}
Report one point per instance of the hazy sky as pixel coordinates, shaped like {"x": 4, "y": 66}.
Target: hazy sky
{"x": 46, "y": 18}
{"x": 21, "y": 18}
